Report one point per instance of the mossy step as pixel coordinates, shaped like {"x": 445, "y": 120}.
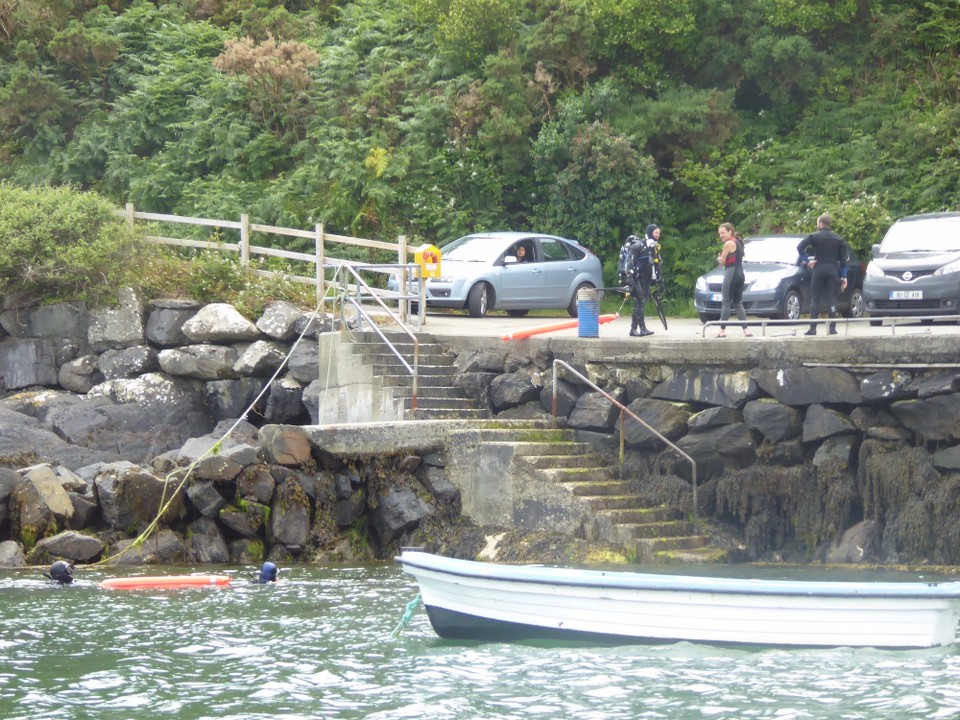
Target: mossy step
{"x": 648, "y": 547}
{"x": 448, "y": 414}
{"x": 640, "y": 515}
{"x": 558, "y": 448}
{"x": 523, "y": 437}
{"x": 580, "y": 474}
{"x": 595, "y": 488}
{"x": 658, "y": 530}
{"x": 441, "y": 403}
{"x": 611, "y": 503}
{"x": 389, "y": 359}
{"x": 702, "y": 555}
{"x": 563, "y": 460}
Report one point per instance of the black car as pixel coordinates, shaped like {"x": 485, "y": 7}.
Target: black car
{"x": 777, "y": 284}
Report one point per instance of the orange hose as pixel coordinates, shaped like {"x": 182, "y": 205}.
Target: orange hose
{"x": 554, "y": 327}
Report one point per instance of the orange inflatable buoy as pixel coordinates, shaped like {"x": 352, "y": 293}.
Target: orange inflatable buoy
{"x": 166, "y": 582}
{"x": 554, "y": 327}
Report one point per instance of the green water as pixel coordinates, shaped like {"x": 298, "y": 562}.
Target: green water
{"x": 319, "y": 645}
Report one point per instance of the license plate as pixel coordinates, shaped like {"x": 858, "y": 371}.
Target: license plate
{"x": 906, "y": 294}
{"x": 716, "y": 297}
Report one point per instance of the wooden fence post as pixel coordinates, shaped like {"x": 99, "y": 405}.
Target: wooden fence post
{"x": 244, "y": 240}
{"x": 129, "y": 210}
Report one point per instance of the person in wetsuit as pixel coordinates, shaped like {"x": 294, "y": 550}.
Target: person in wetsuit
{"x": 829, "y": 264}
{"x": 731, "y": 259}
{"x": 638, "y": 274}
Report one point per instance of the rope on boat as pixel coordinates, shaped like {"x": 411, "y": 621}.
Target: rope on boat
{"x": 411, "y": 608}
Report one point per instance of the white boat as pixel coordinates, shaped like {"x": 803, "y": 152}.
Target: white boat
{"x": 490, "y": 601}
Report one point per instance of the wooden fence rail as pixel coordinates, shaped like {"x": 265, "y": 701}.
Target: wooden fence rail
{"x": 319, "y": 258}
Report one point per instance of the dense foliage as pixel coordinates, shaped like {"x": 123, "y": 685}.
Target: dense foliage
{"x": 432, "y": 118}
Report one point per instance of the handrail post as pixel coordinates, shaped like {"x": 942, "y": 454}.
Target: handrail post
{"x": 319, "y": 259}
{"x": 554, "y": 403}
{"x": 402, "y": 260}
{"x": 244, "y": 240}
{"x": 623, "y": 442}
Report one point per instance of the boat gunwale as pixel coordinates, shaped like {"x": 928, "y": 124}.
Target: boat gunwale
{"x": 620, "y": 580}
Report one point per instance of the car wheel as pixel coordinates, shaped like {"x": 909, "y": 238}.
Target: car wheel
{"x": 478, "y": 300}
{"x": 572, "y": 307}
{"x": 791, "y": 305}
{"x": 517, "y": 313}
{"x": 856, "y": 305}
{"x": 707, "y": 317}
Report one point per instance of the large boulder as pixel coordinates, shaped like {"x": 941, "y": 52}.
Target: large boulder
{"x": 808, "y": 386}
{"x": 68, "y": 545}
{"x": 219, "y": 323}
{"x": 39, "y": 506}
{"x": 290, "y": 517}
{"x": 132, "y": 497}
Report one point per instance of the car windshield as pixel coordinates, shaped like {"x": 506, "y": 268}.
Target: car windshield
{"x": 771, "y": 250}
{"x": 940, "y": 234}
{"x": 473, "y": 248}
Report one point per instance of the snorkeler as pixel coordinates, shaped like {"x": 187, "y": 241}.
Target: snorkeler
{"x": 61, "y": 571}
{"x": 268, "y": 573}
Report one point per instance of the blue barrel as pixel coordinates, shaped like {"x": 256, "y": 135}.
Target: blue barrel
{"x": 588, "y": 313}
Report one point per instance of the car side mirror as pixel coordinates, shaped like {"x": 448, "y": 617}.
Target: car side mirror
{"x": 509, "y": 259}
{"x": 874, "y": 250}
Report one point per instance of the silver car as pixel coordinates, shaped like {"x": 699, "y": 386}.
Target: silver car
{"x": 512, "y": 271}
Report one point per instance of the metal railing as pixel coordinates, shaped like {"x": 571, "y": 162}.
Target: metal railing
{"x": 624, "y": 411}
{"x": 887, "y": 320}
{"x": 353, "y": 294}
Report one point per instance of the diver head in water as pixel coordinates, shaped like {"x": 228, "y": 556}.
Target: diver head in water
{"x": 62, "y": 572}
{"x": 268, "y": 573}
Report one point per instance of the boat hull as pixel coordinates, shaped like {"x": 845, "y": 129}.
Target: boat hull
{"x": 486, "y": 601}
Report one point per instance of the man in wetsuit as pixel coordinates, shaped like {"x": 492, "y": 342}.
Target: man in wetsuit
{"x": 829, "y": 263}
{"x": 638, "y": 260}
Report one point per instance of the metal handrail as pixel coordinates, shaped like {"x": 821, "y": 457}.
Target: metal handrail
{"x": 360, "y": 285}
{"x": 891, "y": 320}
{"x": 624, "y": 410}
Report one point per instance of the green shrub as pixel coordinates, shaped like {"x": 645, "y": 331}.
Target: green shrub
{"x": 58, "y": 243}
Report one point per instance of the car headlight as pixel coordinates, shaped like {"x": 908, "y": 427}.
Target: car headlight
{"x": 947, "y": 269}
{"x": 767, "y": 281}
{"x": 874, "y": 272}
{"x": 702, "y": 284}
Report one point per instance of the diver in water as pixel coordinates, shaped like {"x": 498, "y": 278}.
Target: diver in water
{"x": 268, "y": 573}
{"x": 62, "y": 572}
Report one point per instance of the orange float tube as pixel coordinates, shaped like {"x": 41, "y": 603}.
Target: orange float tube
{"x": 166, "y": 582}
{"x": 553, "y": 327}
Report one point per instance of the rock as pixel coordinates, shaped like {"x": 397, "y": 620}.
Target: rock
{"x": 719, "y": 448}
{"x": 203, "y": 362}
{"x": 260, "y": 359}
{"x": 839, "y": 448}
{"x": 809, "y": 386}
{"x": 435, "y": 480}
{"x": 219, "y": 323}
{"x": 887, "y": 385}
{"x": 11, "y": 555}
{"x": 205, "y": 498}
{"x": 285, "y": 403}
{"x": 821, "y": 423}
{"x": 131, "y": 497}
{"x": 163, "y": 548}
{"x": 166, "y": 319}
{"x": 859, "y": 544}
{"x": 290, "y": 517}
{"x": 932, "y": 418}
{"x": 129, "y": 362}
{"x": 80, "y": 375}
{"x": 303, "y": 364}
{"x": 117, "y": 326}
{"x": 708, "y": 387}
{"x": 234, "y": 398}
{"x": 39, "y": 506}
{"x": 593, "y": 411}
{"x": 667, "y": 418}
{"x": 397, "y": 511}
{"x": 246, "y": 519}
{"x": 256, "y": 484}
{"x": 279, "y": 320}
{"x": 205, "y": 543}
{"x": 713, "y": 417}
{"x": 511, "y": 390}
{"x": 28, "y": 362}
{"x": 773, "y": 420}
{"x": 947, "y": 459}
{"x": 285, "y": 445}
{"x": 68, "y": 545}
{"x": 566, "y": 397}
{"x": 939, "y": 384}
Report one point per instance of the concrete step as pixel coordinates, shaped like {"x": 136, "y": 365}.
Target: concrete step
{"x": 596, "y": 474}
{"x": 448, "y": 414}
{"x": 596, "y": 488}
{"x": 658, "y": 530}
{"x": 559, "y": 447}
{"x": 423, "y": 371}
{"x": 640, "y": 515}
{"x": 441, "y": 403}
{"x": 647, "y": 548}
{"x": 437, "y": 391}
{"x": 611, "y": 503}
{"x": 564, "y": 460}
{"x": 523, "y": 438}
{"x": 406, "y": 380}
{"x": 388, "y": 359}
{"x": 701, "y": 555}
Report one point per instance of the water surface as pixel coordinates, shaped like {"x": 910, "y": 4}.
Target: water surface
{"x": 320, "y": 645}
